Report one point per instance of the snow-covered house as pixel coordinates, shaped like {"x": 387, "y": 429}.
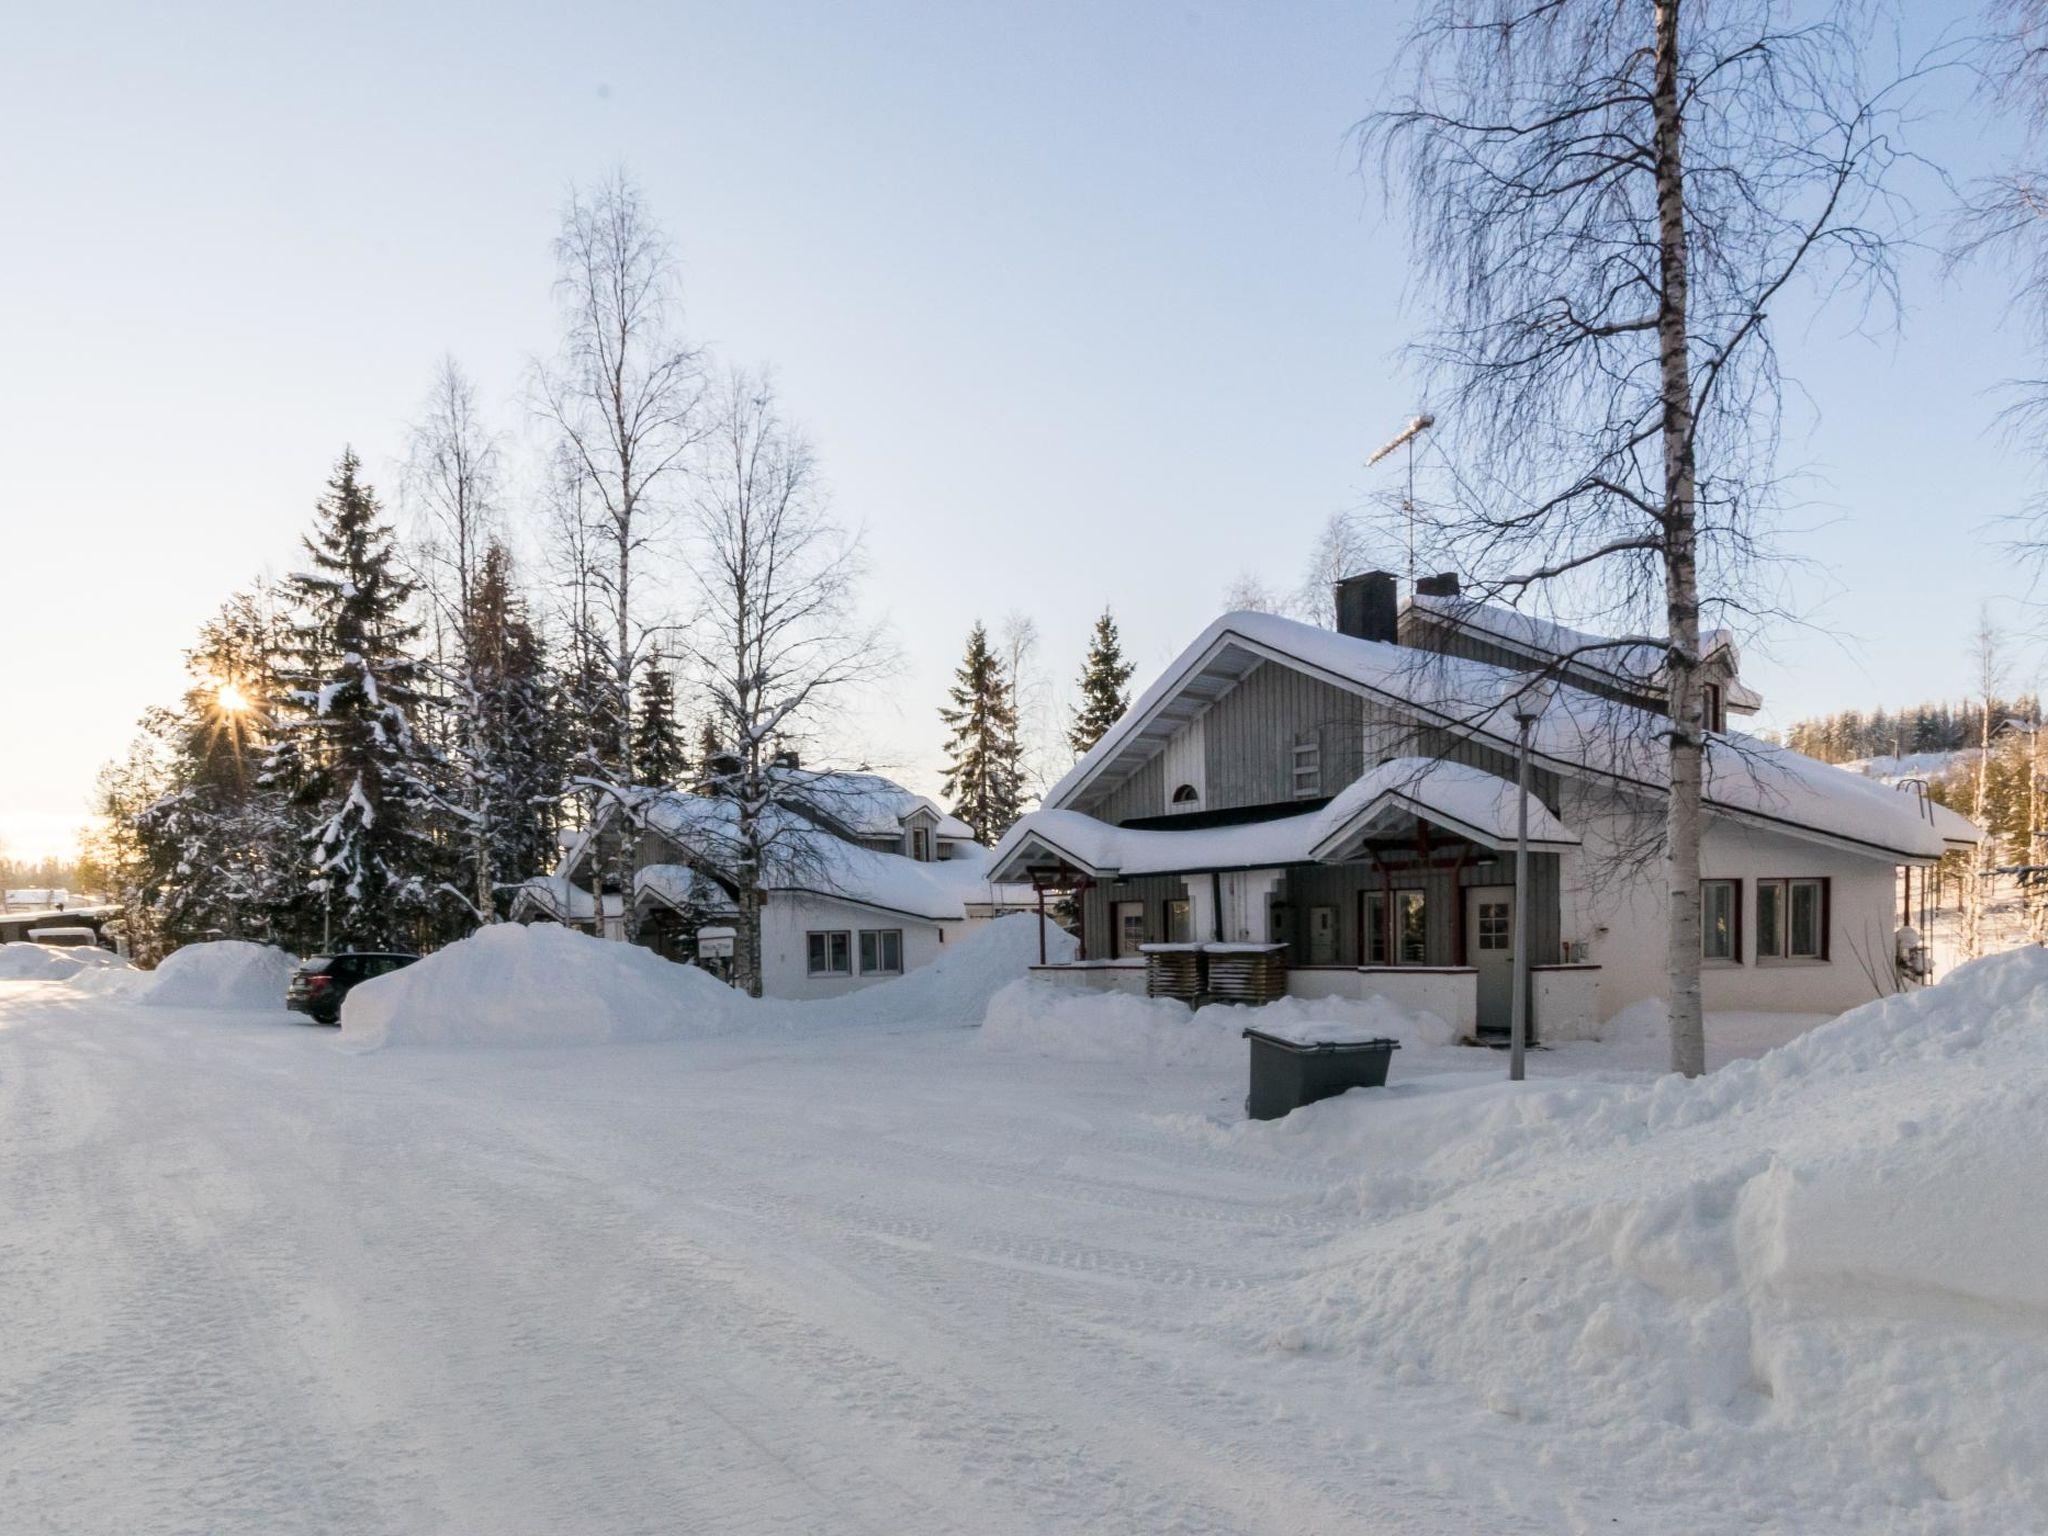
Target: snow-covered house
{"x": 866, "y": 880}
{"x": 1347, "y": 798}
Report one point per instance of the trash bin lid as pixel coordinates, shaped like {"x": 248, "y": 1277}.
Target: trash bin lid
{"x": 1328, "y": 1038}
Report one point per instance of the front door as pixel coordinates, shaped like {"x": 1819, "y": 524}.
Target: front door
{"x": 1490, "y": 935}
{"x": 1322, "y": 935}
{"x": 1130, "y": 929}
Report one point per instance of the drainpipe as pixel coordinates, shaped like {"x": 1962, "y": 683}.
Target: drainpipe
{"x": 1216, "y": 906}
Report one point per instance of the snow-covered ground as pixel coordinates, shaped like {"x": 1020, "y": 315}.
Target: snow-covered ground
{"x": 869, "y": 1268}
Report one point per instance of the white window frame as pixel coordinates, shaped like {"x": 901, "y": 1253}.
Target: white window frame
{"x": 1308, "y": 769}
{"x": 1734, "y": 955}
{"x": 875, "y": 942}
{"x": 821, "y": 938}
{"x": 1117, "y": 909}
{"x": 1777, "y": 948}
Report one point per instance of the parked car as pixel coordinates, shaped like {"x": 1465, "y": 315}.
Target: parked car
{"x": 320, "y": 983}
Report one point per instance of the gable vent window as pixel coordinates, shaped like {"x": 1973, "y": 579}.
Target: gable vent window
{"x": 1187, "y": 798}
{"x": 1308, "y": 769}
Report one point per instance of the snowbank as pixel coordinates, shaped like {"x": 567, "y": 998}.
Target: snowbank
{"x": 545, "y": 985}
{"x": 23, "y": 961}
{"x": 955, "y": 989}
{"x": 539, "y": 984}
{"x": 228, "y": 973}
{"x": 1815, "y": 1279}
{"x": 1044, "y": 1018}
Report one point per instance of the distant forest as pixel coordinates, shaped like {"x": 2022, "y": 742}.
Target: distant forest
{"x": 1852, "y": 734}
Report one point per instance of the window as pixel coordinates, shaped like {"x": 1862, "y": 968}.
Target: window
{"x": 1411, "y": 928}
{"x": 1495, "y": 929}
{"x": 1372, "y": 918}
{"x": 1713, "y": 713}
{"x": 1308, "y": 769}
{"x": 881, "y": 951}
{"x": 1792, "y": 919}
{"x": 1129, "y": 929}
{"x": 1721, "y": 920}
{"x": 1187, "y": 797}
{"x": 1180, "y": 922}
{"x": 831, "y": 954}
{"x": 921, "y": 844}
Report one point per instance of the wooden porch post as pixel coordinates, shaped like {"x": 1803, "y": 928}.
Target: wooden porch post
{"x": 1041, "y": 923}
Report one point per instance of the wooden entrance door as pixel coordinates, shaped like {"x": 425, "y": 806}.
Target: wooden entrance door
{"x": 1490, "y": 950}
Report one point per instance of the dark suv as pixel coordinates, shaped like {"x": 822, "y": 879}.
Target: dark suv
{"x": 321, "y": 982}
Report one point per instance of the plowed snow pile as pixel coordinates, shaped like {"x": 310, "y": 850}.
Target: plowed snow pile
{"x": 40, "y": 962}
{"x": 545, "y": 985}
{"x": 540, "y": 985}
{"x": 228, "y": 973}
{"x": 1817, "y": 1280}
{"x": 1041, "y": 1018}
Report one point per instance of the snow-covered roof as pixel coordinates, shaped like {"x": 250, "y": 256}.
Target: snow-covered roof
{"x": 1386, "y": 801}
{"x": 1629, "y": 664}
{"x": 1580, "y": 734}
{"x": 679, "y": 886}
{"x": 867, "y": 804}
{"x": 800, "y": 855}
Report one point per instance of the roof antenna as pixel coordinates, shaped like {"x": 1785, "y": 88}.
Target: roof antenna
{"x": 1405, "y": 438}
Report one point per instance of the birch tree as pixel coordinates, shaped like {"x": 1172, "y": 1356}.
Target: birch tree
{"x": 625, "y": 398}
{"x": 1608, "y": 203}
{"x": 775, "y": 640}
{"x": 452, "y": 479}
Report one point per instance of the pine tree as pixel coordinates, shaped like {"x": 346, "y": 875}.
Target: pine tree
{"x": 983, "y": 779}
{"x": 367, "y": 777}
{"x": 1104, "y": 676}
{"x": 711, "y": 756}
{"x": 658, "y": 757}
{"x": 516, "y": 756}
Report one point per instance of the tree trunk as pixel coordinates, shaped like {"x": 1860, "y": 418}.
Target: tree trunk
{"x": 1681, "y": 575}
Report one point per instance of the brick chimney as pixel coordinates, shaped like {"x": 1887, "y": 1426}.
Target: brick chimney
{"x": 1443, "y": 585}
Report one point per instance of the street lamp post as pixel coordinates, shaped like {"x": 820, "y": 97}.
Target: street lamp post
{"x": 1530, "y": 703}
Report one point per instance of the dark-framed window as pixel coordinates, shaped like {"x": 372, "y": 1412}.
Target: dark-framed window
{"x": 1793, "y": 917}
{"x": 1411, "y": 927}
{"x": 1713, "y": 708}
{"x": 1372, "y": 928}
{"x": 830, "y": 952}
{"x": 1127, "y": 928}
{"x": 881, "y": 951}
{"x": 1721, "y": 920}
{"x": 1187, "y": 795}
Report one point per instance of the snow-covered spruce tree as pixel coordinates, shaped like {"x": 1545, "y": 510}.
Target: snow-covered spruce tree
{"x": 351, "y": 684}
{"x": 983, "y": 754}
{"x": 516, "y": 761}
{"x": 1105, "y": 680}
{"x": 709, "y": 755}
{"x": 1613, "y": 204}
{"x": 220, "y": 842}
{"x": 658, "y": 757}
{"x": 775, "y": 642}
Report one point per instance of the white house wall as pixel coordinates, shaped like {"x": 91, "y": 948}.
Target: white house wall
{"x": 1614, "y": 903}
{"x": 787, "y": 921}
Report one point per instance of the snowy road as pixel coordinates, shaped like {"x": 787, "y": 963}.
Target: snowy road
{"x": 251, "y": 1282}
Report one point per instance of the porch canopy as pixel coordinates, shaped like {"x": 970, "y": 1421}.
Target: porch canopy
{"x": 1388, "y": 805}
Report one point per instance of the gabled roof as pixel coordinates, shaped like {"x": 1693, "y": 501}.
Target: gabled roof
{"x": 1383, "y": 803}
{"x": 802, "y": 856}
{"x": 1627, "y": 664}
{"x": 555, "y": 896}
{"x": 1581, "y": 734}
{"x": 866, "y": 804}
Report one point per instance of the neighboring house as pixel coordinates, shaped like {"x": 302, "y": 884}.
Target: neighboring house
{"x": 865, "y": 881}
{"x": 1349, "y": 797}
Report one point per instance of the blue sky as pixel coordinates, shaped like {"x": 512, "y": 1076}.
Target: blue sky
{"x": 1082, "y": 304}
